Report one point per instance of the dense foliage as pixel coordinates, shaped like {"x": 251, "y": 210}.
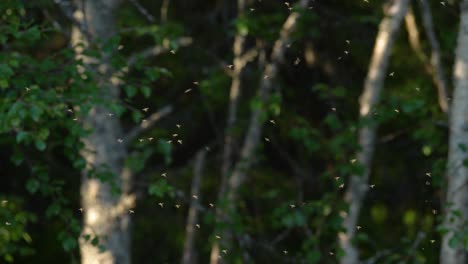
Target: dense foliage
{"x": 290, "y": 207}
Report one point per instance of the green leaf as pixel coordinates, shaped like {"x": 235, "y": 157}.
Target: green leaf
{"x": 455, "y": 240}
{"x": 35, "y": 112}
{"x": 3, "y": 83}
{"x": 101, "y": 248}
{"x": 152, "y": 74}
{"x": 165, "y": 149}
{"x": 53, "y": 209}
{"x": 130, "y": 90}
{"x": 146, "y": 91}
{"x": 362, "y": 237}
{"x": 17, "y": 158}
{"x": 40, "y": 145}
{"x": 242, "y": 26}
{"x": 32, "y": 185}
{"x": 294, "y": 219}
{"x": 79, "y": 163}
{"x": 463, "y": 147}
{"x": 160, "y": 188}
{"x": 313, "y": 256}
{"x": 8, "y": 258}
{"x": 95, "y": 241}
{"x": 465, "y": 162}
{"x": 21, "y": 136}
{"x": 256, "y": 103}
{"x": 5, "y": 71}
{"x": 137, "y": 116}
{"x": 43, "y": 133}
{"x": 31, "y": 34}
{"x": 69, "y": 243}
{"x": 14, "y": 63}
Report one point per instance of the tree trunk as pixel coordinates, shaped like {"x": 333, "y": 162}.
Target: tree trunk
{"x": 252, "y": 137}
{"x": 188, "y": 256}
{"x": 231, "y": 119}
{"x": 105, "y": 214}
{"x": 373, "y": 84}
{"x": 438, "y": 75}
{"x": 434, "y": 65}
{"x": 456, "y": 211}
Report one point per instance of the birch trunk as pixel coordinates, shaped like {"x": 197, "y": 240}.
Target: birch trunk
{"x": 456, "y": 211}
{"x": 188, "y": 256}
{"x": 105, "y": 215}
{"x": 433, "y": 66}
{"x": 373, "y": 84}
{"x": 231, "y": 119}
{"x": 437, "y": 70}
{"x": 252, "y": 137}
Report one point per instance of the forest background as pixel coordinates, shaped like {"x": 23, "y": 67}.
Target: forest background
{"x": 234, "y": 131}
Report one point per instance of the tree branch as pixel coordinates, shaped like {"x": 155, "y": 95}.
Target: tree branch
{"x": 436, "y": 61}
{"x": 418, "y": 239}
{"x": 373, "y": 84}
{"x": 164, "y": 8}
{"x": 413, "y": 35}
{"x": 433, "y": 66}
{"x": 157, "y": 50}
{"x": 252, "y": 137}
{"x": 248, "y": 56}
{"x": 142, "y": 10}
{"x": 147, "y": 124}
{"x": 255, "y": 124}
{"x": 126, "y": 202}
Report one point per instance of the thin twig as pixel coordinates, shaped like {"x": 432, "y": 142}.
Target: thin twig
{"x": 143, "y": 11}
{"x": 148, "y": 123}
{"x": 157, "y": 50}
{"x": 164, "y": 8}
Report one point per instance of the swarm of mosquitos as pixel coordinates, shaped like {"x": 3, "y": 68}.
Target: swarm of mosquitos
{"x": 175, "y": 139}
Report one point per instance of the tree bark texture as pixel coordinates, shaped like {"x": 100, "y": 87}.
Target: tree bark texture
{"x": 373, "y": 84}
{"x": 231, "y": 120}
{"x": 252, "y": 137}
{"x": 105, "y": 215}
{"x": 456, "y": 208}
{"x": 188, "y": 257}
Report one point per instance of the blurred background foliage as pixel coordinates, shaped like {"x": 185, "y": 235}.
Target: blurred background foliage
{"x": 290, "y": 205}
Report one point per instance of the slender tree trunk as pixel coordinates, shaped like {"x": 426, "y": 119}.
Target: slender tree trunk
{"x": 231, "y": 120}
{"x": 252, "y": 137}
{"x": 456, "y": 211}
{"x": 413, "y": 35}
{"x": 105, "y": 214}
{"x": 373, "y": 84}
{"x": 436, "y": 56}
{"x": 188, "y": 256}
{"x": 434, "y": 65}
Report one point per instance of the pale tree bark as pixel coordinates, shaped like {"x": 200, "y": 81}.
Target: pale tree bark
{"x": 255, "y": 125}
{"x": 188, "y": 257}
{"x": 456, "y": 208}
{"x": 436, "y": 56}
{"x": 238, "y": 174}
{"x": 373, "y": 84}
{"x": 413, "y": 34}
{"x": 105, "y": 214}
{"x": 238, "y": 66}
{"x": 434, "y": 66}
